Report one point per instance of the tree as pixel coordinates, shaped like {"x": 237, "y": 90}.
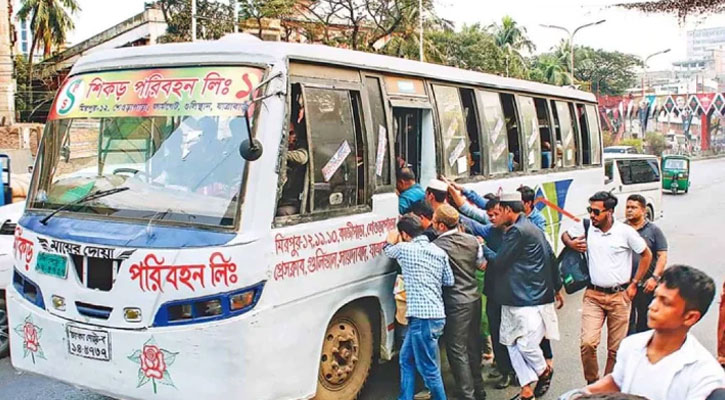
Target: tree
{"x": 472, "y": 48}
{"x": 214, "y": 19}
{"x": 511, "y": 38}
{"x": 681, "y": 8}
{"x": 261, "y": 9}
{"x": 655, "y": 143}
{"x": 609, "y": 72}
{"x": 365, "y": 24}
{"x": 551, "y": 69}
{"x": 50, "y": 21}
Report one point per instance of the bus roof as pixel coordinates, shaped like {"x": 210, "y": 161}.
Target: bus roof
{"x": 241, "y": 48}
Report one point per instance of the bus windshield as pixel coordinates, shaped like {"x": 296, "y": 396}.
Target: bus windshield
{"x": 174, "y": 156}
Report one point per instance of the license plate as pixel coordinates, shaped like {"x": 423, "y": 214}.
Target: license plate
{"x": 52, "y": 264}
{"x": 89, "y": 343}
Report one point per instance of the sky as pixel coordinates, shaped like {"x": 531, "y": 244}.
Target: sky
{"x": 624, "y": 30}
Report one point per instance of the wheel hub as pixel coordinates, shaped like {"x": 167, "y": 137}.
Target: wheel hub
{"x": 339, "y": 353}
{"x": 4, "y": 328}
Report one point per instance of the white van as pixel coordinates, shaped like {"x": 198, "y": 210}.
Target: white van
{"x": 627, "y": 174}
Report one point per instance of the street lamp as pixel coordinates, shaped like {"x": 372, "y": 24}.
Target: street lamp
{"x": 644, "y": 76}
{"x": 571, "y": 40}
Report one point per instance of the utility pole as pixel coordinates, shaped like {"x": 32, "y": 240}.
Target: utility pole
{"x": 235, "y": 7}
{"x": 644, "y": 75}
{"x": 571, "y": 41}
{"x": 193, "y": 20}
{"x": 420, "y": 29}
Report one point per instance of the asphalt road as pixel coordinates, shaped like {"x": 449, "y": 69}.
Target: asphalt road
{"x": 692, "y": 223}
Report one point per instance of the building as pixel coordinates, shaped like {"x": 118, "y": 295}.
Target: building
{"x": 701, "y": 41}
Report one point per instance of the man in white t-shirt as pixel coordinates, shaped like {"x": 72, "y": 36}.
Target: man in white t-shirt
{"x": 609, "y": 245}
{"x": 667, "y": 363}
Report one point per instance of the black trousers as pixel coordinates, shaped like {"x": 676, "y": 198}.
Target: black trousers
{"x": 500, "y": 352}
{"x": 546, "y": 348}
{"x": 463, "y": 347}
{"x": 638, "y": 316}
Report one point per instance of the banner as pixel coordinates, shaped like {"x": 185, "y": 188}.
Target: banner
{"x": 156, "y": 92}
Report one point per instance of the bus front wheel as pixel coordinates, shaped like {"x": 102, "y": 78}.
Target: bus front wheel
{"x": 347, "y": 354}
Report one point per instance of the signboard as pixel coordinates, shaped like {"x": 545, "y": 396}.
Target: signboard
{"x": 156, "y": 92}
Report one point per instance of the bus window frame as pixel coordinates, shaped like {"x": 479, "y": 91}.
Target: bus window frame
{"x": 525, "y": 142}
{"x": 310, "y": 216}
{"x": 441, "y": 157}
{"x": 370, "y": 133}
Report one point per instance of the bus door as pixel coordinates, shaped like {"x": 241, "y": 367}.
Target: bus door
{"x": 414, "y": 137}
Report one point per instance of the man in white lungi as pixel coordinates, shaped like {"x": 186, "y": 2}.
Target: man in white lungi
{"x": 527, "y": 288}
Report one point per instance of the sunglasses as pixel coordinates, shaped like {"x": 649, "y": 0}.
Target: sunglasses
{"x": 595, "y": 211}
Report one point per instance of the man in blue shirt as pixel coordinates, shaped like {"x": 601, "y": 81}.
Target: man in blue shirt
{"x": 426, "y": 270}
{"x": 409, "y": 192}
{"x": 528, "y": 196}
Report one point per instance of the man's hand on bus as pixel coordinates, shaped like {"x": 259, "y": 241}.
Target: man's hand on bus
{"x": 458, "y": 198}
{"x": 393, "y": 237}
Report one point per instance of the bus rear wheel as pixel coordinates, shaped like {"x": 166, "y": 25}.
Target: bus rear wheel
{"x": 4, "y": 328}
{"x": 347, "y": 354}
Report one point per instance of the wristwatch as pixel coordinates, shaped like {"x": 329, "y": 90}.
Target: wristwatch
{"x": 656, "y": 277}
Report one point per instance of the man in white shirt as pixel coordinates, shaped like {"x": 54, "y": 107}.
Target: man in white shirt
{"x": 609, "y": 245}
{"x": 667, "y": 363}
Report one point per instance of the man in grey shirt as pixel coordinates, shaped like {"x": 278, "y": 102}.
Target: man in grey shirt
{"x": 462, "y": 303}
{"x": 657, "y": 243}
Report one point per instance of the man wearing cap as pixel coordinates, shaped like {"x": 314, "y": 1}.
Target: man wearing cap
{"x": 527, "y": 288}
{"x": 436, "y": 193}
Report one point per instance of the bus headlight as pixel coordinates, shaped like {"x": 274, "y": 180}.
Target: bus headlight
{"x": 208, "y": 308}
{"x": 58, "y": 302}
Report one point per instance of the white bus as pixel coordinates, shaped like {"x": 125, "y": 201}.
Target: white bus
{"x": 161, "y": 254}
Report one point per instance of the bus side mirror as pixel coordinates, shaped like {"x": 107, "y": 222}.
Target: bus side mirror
{"x": 251, "y": 149}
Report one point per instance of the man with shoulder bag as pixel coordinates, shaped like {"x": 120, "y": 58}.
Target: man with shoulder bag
{"x": 608, "y": 298}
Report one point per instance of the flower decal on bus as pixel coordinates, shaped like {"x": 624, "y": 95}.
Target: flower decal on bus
{"x": 153, "y": 364}
{"x": 31, "y": 334}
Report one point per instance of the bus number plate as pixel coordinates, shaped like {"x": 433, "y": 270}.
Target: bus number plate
{"x": 52, "y": 264}
{"x": 89, "y": 343}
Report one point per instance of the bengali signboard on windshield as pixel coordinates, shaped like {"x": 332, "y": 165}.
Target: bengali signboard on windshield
{"x": 156, "y": 92}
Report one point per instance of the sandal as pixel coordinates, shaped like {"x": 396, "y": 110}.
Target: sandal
{"x": 519, "y": 397}
{"x": 544, "y": 383}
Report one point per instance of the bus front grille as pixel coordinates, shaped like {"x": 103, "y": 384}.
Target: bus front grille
{"x": 96, "y": 273}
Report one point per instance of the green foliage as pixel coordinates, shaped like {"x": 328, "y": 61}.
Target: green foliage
{"x": 511, "y": 39}
{"x": 50, "y": 22}
{"x": 681, "y": 8}
{"x": 551, "y": 69}
{"x": 636, "y": 143}
{"x": 607, "y": 138}
{"x": 214, "y": 19}
{"x": 655, "y": 143}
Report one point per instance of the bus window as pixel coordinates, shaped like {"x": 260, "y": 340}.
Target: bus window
{"x": 468, "y": 97}
{"x": 408, "y": 128}
{"x": 334, "y": 144}
{"x": 575, "y": 132}
{"x": 594, "y": 133}
{"x": 380, "y": 131}
{"x": 293, "y": 199}
{"x": 585, "y": 138}
{"x": 512, "y": 132}
{"x": 530, "y": 132}
{"x": 565, "y": 143}
{"x": 496, "y": 142}
{"x": 545, "y": 132}
{"x": 453, "y": 131}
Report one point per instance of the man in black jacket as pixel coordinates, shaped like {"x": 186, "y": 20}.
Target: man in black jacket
{"x": 527, "y": 287}
{"x": 462, "y": 303}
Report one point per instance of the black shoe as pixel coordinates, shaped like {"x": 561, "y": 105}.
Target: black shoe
{"x": 481, "y": 396}
{"x": 505, "y": 382}
{"x": 495, "y": 374}
{"x": 544, "y": 383}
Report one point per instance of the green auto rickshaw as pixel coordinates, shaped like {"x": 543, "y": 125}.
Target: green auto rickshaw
{"x": 676, "y": 173}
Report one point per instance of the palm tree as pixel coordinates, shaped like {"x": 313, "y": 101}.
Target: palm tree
{"x": 49, "y": 22}
{"x": 511, "y": 38}
{"x": 551, "y": 69}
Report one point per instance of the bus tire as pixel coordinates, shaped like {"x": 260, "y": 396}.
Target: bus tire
{"x": 347, "y": 355}
{"x": 650, "y": 215}
{"x": 4, "y": 328}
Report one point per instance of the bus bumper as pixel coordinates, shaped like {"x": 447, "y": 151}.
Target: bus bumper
{"x": 202, "y": 361}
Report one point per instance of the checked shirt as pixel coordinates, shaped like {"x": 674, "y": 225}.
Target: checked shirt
{"x": 425, "y": 271}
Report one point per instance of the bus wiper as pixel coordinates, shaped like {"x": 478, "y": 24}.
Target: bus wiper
{"x": 89, "y": 197}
